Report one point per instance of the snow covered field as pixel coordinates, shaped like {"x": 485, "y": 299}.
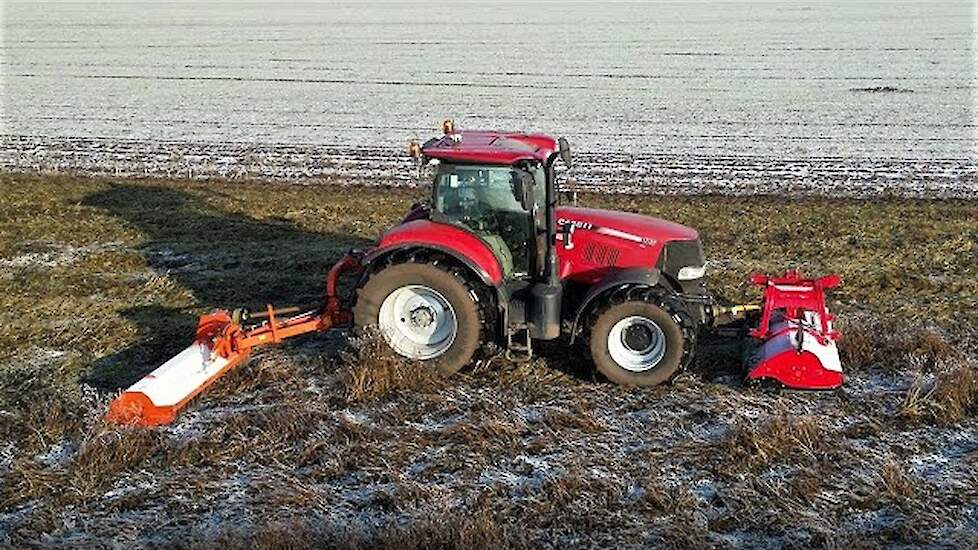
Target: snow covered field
{"x": 830, "y": 97}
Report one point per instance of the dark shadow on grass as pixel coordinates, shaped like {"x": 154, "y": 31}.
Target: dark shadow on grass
{"x": 718, "y": 359}
{"x": 574, "y": 360}
{"x": 225, "y": 259}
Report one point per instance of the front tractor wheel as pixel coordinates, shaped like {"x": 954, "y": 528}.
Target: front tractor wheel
{"x": 424, "y": 313}
{"x": 640, "y": 342}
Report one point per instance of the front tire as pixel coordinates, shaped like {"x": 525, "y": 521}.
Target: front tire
{"x": 641, "y": 342}
{"x": 424, "y": 313}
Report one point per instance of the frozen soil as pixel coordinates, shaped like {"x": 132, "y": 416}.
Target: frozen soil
{"x": 813, "y": 97}
{"x": 326, "y": 442}
{"x": 279, "y": 455}
{"x": 615, "y": 170}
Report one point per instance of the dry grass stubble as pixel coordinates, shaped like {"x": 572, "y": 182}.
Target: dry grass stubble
{"x": 298, "y": 448}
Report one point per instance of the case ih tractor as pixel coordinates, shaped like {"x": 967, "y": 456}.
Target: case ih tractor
{"x": 494, "y": 257}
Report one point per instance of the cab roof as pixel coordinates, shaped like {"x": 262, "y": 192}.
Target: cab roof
{"x": 489, "y": 147}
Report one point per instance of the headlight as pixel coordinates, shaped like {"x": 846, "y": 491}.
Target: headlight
{"x": 691, "y": 272}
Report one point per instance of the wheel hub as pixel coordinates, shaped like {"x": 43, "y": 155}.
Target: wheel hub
{"x": 418, "y": 322}
{"x": 637, "y": 337}
{"x": 637, "y": 343}
{"x": 422, "y": 316}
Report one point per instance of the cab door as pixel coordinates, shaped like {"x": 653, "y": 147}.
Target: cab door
{"x": 484, "y": 199}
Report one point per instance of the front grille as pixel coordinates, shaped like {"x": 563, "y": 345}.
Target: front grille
{"x": 679, "y": 254}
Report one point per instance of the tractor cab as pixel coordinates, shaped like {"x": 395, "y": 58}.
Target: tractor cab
{"x": 494, "y": 185}
{"x": 488, "y": 200}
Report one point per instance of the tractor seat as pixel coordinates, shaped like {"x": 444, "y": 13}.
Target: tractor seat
{"x": 499, "y": 248}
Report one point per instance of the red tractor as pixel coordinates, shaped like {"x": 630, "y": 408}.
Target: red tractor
{"x": 492, "y": 256}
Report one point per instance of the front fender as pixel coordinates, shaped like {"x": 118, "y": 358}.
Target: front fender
{"x": 641, "y": 276}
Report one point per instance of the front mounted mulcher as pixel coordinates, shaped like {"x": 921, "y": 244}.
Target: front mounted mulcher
{"x": 495, "y": 256}
{"x": 797, "y": 342}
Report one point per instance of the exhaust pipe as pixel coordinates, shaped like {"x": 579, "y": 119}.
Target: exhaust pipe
{"x": 546, "y": 296}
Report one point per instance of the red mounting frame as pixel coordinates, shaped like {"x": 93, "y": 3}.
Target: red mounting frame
{"x": 795, "y": 294}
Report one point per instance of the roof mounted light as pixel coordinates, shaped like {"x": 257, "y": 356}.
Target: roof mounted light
{"x": 414, "y": 149}
{"x": 448, "y": 127}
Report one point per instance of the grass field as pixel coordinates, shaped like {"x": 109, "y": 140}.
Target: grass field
{"x": 320, "y": 443}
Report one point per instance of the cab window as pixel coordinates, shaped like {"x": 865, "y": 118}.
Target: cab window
{"x": 485, "y": 200}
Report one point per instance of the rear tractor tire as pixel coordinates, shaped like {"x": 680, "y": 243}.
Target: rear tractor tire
{"x": 426, "y": 312}
{"x": 642, "y": 340}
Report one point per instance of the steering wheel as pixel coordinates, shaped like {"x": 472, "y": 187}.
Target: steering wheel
{"x": 488, "y": 222}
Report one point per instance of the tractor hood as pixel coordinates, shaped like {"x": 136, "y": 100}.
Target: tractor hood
{"x": 628, "y": 226}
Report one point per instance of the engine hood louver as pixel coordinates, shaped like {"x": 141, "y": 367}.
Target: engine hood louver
{"x": 599, "y": 254}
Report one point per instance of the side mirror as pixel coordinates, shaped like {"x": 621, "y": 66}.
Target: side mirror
{"x": 521, "y": 190}
{"x": 565, "y": 152}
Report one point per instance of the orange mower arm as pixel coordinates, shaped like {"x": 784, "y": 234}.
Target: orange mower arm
{"x": 222, "y": 343}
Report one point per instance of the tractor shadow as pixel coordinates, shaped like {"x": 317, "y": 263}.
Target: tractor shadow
{"x": 718, "y": 359}
{"x": 206, "y": 258}
{"x": 573, "y": 360}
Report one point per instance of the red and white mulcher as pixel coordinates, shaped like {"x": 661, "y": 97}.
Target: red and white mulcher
{"x": 494, "y": 256}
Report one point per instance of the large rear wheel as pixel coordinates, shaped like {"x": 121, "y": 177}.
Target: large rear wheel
{"x": 641, "y": 341}
{"x": 424, "y": 312}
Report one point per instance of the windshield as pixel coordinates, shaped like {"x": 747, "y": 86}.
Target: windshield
{"x": 460, "y": 189}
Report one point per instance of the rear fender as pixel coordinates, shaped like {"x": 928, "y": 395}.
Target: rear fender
{"x": 453, "y": 241}
{"x": 379, "y": 253}
{"x": 641, "y": 276}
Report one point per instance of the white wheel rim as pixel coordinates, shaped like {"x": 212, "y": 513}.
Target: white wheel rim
{"x": 418, "y": 322}
{"x": 637, "y": 344}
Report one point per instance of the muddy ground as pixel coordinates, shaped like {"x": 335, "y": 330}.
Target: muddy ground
{"x": 323, "y": 443}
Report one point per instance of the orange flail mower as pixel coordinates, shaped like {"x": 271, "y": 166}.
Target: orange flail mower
{"x": 221, "y": 343}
